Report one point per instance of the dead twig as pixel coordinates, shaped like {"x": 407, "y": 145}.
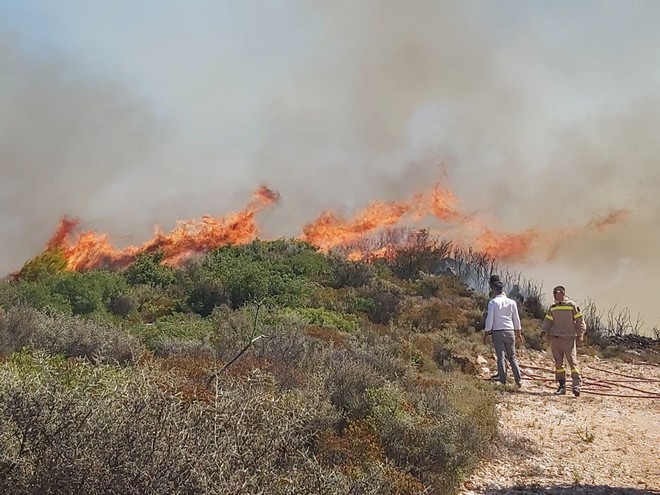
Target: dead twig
{"x": 216, "y": 373}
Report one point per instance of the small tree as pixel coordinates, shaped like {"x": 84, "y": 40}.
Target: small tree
{"x": 148, "y": 270}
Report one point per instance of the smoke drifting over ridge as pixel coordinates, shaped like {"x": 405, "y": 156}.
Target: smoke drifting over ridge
{"x": 537, "y": 117}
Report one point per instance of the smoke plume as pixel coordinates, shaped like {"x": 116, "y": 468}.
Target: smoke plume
{"x": 540, "y": 118}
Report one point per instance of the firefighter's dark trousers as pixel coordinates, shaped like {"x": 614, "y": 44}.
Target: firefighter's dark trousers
{"x": 565, "y": 347}
{"x": 505, "y": 347}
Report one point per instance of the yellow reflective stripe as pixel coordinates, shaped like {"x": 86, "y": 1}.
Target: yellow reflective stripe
{"x": 549, "y": 317}
{"x": 577, "y": 315}
{"x": 570, "y": 308}
{"x": 560, "y": 370}
{"x": 575, "y": 370}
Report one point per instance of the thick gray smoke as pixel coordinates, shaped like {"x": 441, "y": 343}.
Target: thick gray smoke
{"x": 64, "y": 139}
{"x": 539, "y": 115}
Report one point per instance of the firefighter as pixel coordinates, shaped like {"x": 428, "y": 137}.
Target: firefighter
{"x": 565, "y": 327}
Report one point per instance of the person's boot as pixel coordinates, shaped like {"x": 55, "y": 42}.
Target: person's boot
{"x": 576, "y": 390}
{"x": 562, "y": 388}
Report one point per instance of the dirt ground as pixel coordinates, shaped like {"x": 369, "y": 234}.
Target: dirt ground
{"x": 564, "y": 445}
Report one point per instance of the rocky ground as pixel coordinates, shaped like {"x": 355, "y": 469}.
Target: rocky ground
{"x": 605, "y": 442}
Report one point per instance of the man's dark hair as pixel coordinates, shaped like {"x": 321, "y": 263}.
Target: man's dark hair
{"x": 497, "y": 286}
{"x": 493, "y": 278}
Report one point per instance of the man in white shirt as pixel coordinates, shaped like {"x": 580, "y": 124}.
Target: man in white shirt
{"x": 503, "y": 324}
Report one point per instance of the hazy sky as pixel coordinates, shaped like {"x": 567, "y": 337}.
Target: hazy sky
{"x": 128, "y": 114}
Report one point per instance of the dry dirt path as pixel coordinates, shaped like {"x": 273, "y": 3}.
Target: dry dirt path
{"x": 592, "y": 444}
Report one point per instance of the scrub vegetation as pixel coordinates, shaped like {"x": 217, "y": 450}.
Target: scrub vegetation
{"x": 268, "y": 367}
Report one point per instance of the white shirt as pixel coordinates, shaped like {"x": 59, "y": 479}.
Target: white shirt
{"x": 502, "y": 314}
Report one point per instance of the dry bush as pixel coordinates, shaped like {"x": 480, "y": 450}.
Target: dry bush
{"x": 72, "y": 336}
{"x": 355, "y": 447}
{"x": 97, "y": 430}
{"x": 121, "y": 305}
{"x": 534, "y": 307}
{"x": 426, "y": 315}
{"x": 385, "y": 299}
{"x": 532, "y": 332}
{"x": 388, "y": 354}
{"x": 441, "y": 430}
{"x": 331, "y": 337}
{"x": 471, "y": 266}
{"x": 234, "y": 330}
{"x": 441, "y": 286}
{"x": 346, "y": 273}
{"x": 294, "y": 347}
{"x": 347, "y": 383}
{"x": 201, "y": 349}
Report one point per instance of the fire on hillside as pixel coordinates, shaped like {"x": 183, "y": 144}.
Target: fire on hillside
{"x": 88, "y": 250}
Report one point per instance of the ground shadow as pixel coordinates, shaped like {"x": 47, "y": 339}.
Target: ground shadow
{"x": 570, "y": 490}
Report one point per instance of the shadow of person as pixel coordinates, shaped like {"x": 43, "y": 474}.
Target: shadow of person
{"x": 570, "y": 490}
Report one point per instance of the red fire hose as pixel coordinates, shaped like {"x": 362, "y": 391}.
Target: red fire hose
{"x": 606, "y": 387}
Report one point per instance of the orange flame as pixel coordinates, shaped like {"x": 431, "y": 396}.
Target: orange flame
{"x": 506, "y": 245}
{"x": 442, "y": 204}
{"x": 353, "y": 237}
{"x": 330, "y": 230}
{"x": 91, "y": 250}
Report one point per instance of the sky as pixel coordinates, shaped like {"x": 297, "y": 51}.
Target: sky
{"x": 538, "y": 115}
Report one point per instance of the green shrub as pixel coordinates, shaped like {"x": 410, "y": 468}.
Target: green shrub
{"x": 327, "y": 319}
{"x": 281, "y": 272}
{"x": 206, "y": 296}
{"x": 147, "y": 269}
{"x": 68, "y": 292}
{"x": 89, "y": 292}
{"x": 177, "y": 331}
{"x": 151, "y": 303}
{"x": 37, "y": 294}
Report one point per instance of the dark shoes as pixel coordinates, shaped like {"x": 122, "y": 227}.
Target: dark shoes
{"x": 561, "y": 390}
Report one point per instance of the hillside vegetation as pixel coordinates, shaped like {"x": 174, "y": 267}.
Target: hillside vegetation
{"x": 263, "y": 368}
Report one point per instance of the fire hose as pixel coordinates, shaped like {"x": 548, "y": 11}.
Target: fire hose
{"x": 600, "y": 386}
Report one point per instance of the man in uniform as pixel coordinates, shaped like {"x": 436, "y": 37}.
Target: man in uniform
{"x": 564, "y": 326}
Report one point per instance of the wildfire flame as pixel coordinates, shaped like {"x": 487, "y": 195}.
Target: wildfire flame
{"x": 357, "y": 236}
{"x": 92, "y": 250}
{"x": 505, "y": 245}
{"x": 330, "y": 230}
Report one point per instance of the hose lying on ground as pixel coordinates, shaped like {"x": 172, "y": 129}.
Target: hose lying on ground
{"x": 599, "y": 386}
